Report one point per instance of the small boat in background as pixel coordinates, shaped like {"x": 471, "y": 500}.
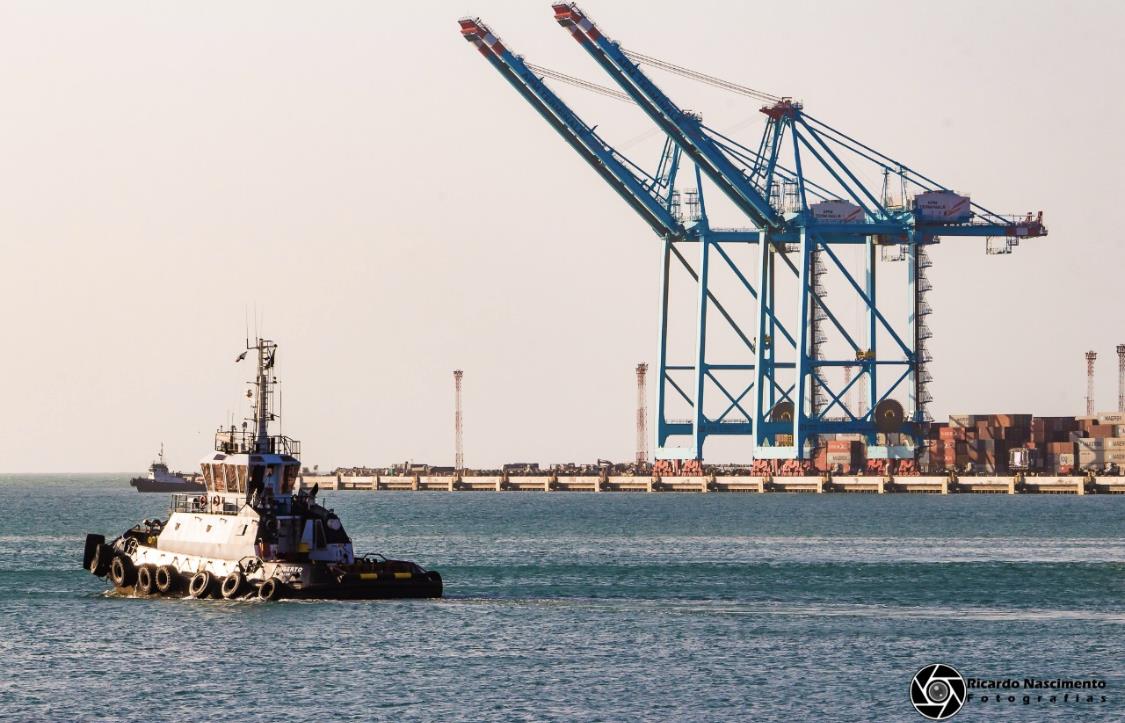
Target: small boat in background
{"x": 161, "y": 479}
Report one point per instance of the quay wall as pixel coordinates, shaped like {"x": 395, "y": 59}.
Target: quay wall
{"x": 700, "y": 484}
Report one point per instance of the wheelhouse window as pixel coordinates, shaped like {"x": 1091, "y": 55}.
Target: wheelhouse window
{"x": 235, "y": 482}
{"x": 207, "y": 479}
{"x": 217, "y": 474}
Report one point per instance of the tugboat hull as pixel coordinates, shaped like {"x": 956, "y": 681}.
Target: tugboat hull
{"x": 430, "y": 587}
{"x": 140, "y": 570}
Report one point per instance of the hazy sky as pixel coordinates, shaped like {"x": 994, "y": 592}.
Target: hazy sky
{"x": 361, "y": 176}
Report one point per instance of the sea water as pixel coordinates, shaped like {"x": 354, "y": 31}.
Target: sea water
{"x": 583, "y": 606}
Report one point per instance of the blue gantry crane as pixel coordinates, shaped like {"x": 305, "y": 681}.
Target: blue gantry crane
{"x": 653, "y": 197}
{"x": 803, "y": 372}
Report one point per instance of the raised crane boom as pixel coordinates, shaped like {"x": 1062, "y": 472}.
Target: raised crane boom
{"x": 683, "y": 127}
{"x": 642, "y": 194}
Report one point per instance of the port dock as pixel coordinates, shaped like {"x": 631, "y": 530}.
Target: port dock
{"x": 809, "y": 484}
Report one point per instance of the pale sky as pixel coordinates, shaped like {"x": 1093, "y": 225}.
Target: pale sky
{"x": 357, "y": 173}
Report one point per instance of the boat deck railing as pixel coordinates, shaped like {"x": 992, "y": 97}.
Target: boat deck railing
{"x": 201, "y": 503}
{"x": 233, "y": 441}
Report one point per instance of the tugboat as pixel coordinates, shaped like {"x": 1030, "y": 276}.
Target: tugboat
{"x": 254, "y": 532}
{"x": 161, "y": 479}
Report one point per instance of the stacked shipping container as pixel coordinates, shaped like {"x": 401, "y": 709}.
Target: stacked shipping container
{"x": 1099, "y": 442}
{"x": 977, "y": 442}
{"x": 988, "y": 444}
{"x": 1001, "y": 443}
{"x": 843, "y": 455}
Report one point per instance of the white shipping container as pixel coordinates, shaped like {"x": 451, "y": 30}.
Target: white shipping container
{"x": 1096, "y": 443}
{"x": 943, "y": 206}
{"x": 837, "y": 212}
{"x": 1111, "y": 418}
{"x": 1102, "y": 456}
{"x": 962, "y": 420}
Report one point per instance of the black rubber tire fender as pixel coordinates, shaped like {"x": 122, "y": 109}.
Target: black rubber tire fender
{"x": 99, "y": 563}
{"x": 167, "y": 579}
{"x": 200, "y": 585}
{"x": 146, "y": 580}
{"x": 271, "y": 589}
{"x": 232, "y": 585}
{"x": 89, "y": 548}
{"x": 122, "y": 571}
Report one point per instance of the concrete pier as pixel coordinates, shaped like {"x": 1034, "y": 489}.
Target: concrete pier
{"x": 859, "y": 483}
{"x": 814, "y": 485}
{"x": 701, "y": 484}
{"x": 740, "y": 484}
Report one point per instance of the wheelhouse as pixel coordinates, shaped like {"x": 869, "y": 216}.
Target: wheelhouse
{"x": 275, "y": 475}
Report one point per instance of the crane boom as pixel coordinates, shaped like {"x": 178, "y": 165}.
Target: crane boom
{"x": 685, "y": 128}
{"x": 638, "y": 193}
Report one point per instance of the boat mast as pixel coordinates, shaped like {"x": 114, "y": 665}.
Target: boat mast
{"x": 263, "y": 382}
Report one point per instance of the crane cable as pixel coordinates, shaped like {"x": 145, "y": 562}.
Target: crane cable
{"x": 695, "y": 75}
{"x": 701, "y": 77}
{"x": 579, "y": 82}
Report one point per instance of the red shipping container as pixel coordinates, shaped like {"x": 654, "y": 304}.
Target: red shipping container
{"x": 952, "y": 433}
